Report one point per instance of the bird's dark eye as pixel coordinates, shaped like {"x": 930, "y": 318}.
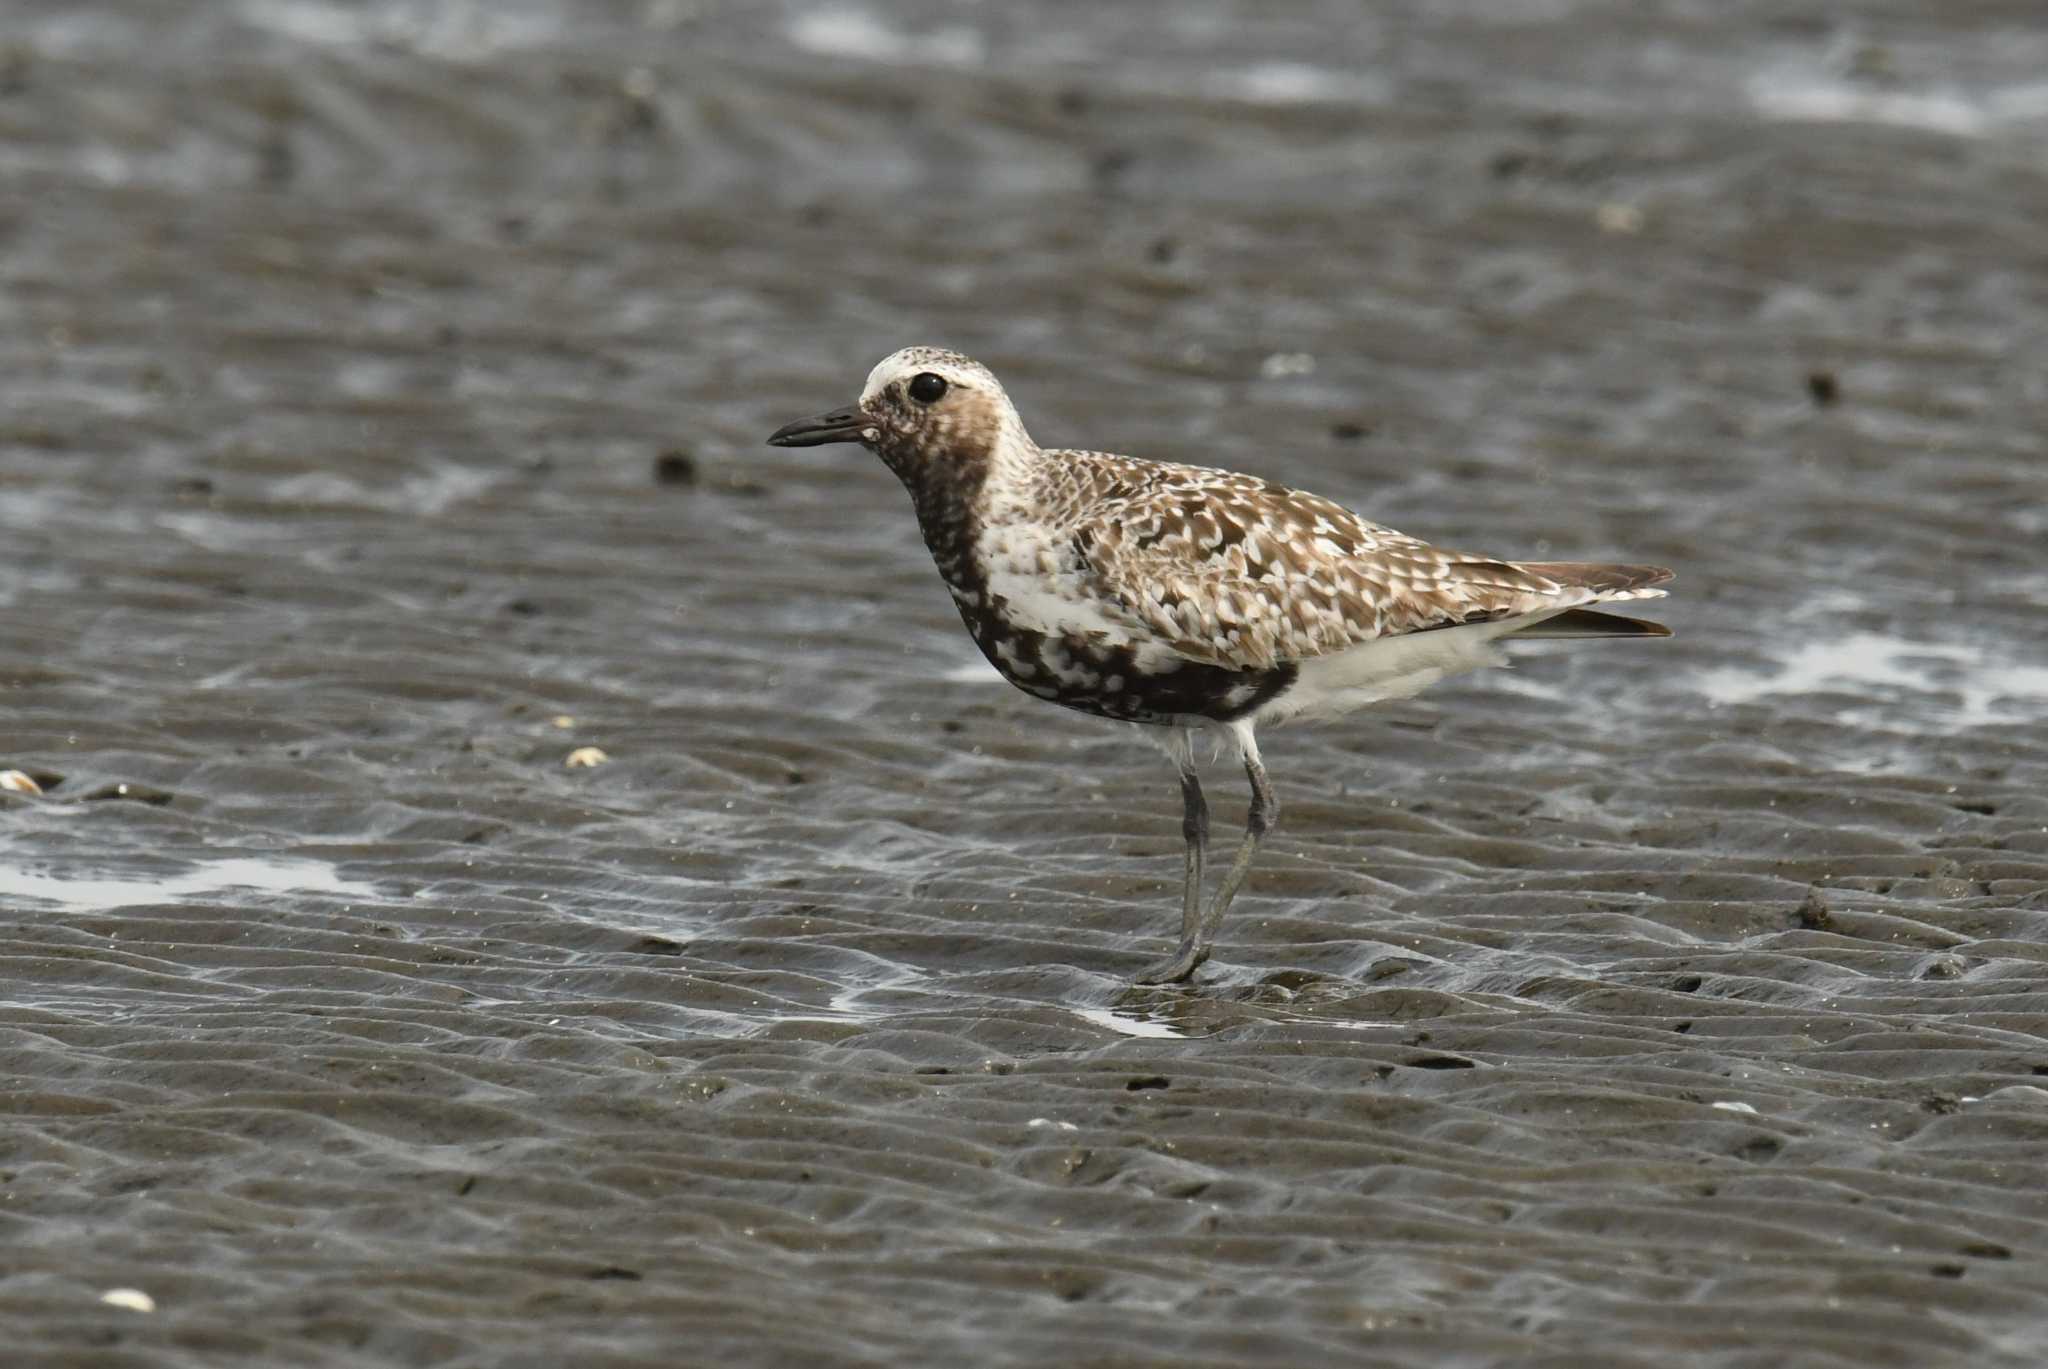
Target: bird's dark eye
{"x": 927, "y": 388}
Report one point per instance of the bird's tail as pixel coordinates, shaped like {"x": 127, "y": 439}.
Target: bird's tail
{"x": 1586, "y": 622}
{"x": 1607, "y": 581}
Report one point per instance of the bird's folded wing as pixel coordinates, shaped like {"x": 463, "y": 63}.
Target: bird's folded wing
{"x": 1233, "y": 571}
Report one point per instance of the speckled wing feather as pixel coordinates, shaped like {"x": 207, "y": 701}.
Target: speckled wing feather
{"x": 1231, "y": 570}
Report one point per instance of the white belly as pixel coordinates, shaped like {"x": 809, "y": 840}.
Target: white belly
{"x": 1390, "y": 668}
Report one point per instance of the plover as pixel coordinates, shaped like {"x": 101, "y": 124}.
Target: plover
{"x": 1181, "y": 598}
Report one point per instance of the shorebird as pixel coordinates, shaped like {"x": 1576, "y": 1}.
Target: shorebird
{"x": 1184, "y": 599}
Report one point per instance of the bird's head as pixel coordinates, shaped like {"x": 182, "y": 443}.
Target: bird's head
{"x": 923, "y": 408}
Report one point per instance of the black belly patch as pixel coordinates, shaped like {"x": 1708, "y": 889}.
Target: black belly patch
{"x": 1104, "y": 678}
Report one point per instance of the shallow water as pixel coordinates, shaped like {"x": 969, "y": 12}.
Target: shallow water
{"x": 1673, "y": 1005}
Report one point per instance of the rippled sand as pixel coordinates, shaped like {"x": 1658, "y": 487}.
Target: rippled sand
{"x": 380, "y": 424}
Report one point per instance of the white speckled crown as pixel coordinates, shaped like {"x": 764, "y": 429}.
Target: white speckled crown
{"x": 909, "y": 361}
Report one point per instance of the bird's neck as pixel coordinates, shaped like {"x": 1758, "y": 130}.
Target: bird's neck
{"x": 960, "y": 491}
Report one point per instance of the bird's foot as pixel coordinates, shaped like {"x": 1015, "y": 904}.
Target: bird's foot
{"x": 1176, "y": 967}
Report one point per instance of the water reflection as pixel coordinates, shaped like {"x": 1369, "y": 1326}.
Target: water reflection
{"x": 1968, "y": 685}
{"x": 260, "y": 874}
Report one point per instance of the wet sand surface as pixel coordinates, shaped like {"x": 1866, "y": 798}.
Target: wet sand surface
{"x": 380, "y": 422}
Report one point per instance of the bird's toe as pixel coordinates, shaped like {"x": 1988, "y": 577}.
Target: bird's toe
{"x": 1176, "y": 967}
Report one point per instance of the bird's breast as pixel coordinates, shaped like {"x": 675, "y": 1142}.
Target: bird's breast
{"x": 1031, "y": 607}
{"x": 1042, "y": 585}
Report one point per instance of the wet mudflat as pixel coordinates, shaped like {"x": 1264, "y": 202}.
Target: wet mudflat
{"x": 380, "y": 423}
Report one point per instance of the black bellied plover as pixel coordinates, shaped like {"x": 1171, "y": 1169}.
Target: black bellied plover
{"x": 1181, "y": 598}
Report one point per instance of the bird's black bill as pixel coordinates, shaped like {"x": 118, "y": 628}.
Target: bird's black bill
{"x": 841, "y": 425}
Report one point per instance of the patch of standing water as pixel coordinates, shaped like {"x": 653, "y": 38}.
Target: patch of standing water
{"x": 1129, "y": 1025}
{"x": 1854, "y": 84}
{"x": 264, "y": 874}
{"x": 1984, "y": 690}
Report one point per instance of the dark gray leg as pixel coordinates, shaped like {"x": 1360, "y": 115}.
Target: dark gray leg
{"x": 1198, "y": 935}
{"x": 1194, "y": 826}
{"x": 1264, "y": 813}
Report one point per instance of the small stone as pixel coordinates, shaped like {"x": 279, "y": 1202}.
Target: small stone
{"x": 1281, "y": 365}
{"x": 675, "y": 467}
{"x": 1619, "y": 219}
{"x": 585, "y": 758}
{"x": 19, "y": 782}
{"x": 134, "y": 1299}
{"x": 133, "y": 793}
{"x": 1823, "y": 387}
